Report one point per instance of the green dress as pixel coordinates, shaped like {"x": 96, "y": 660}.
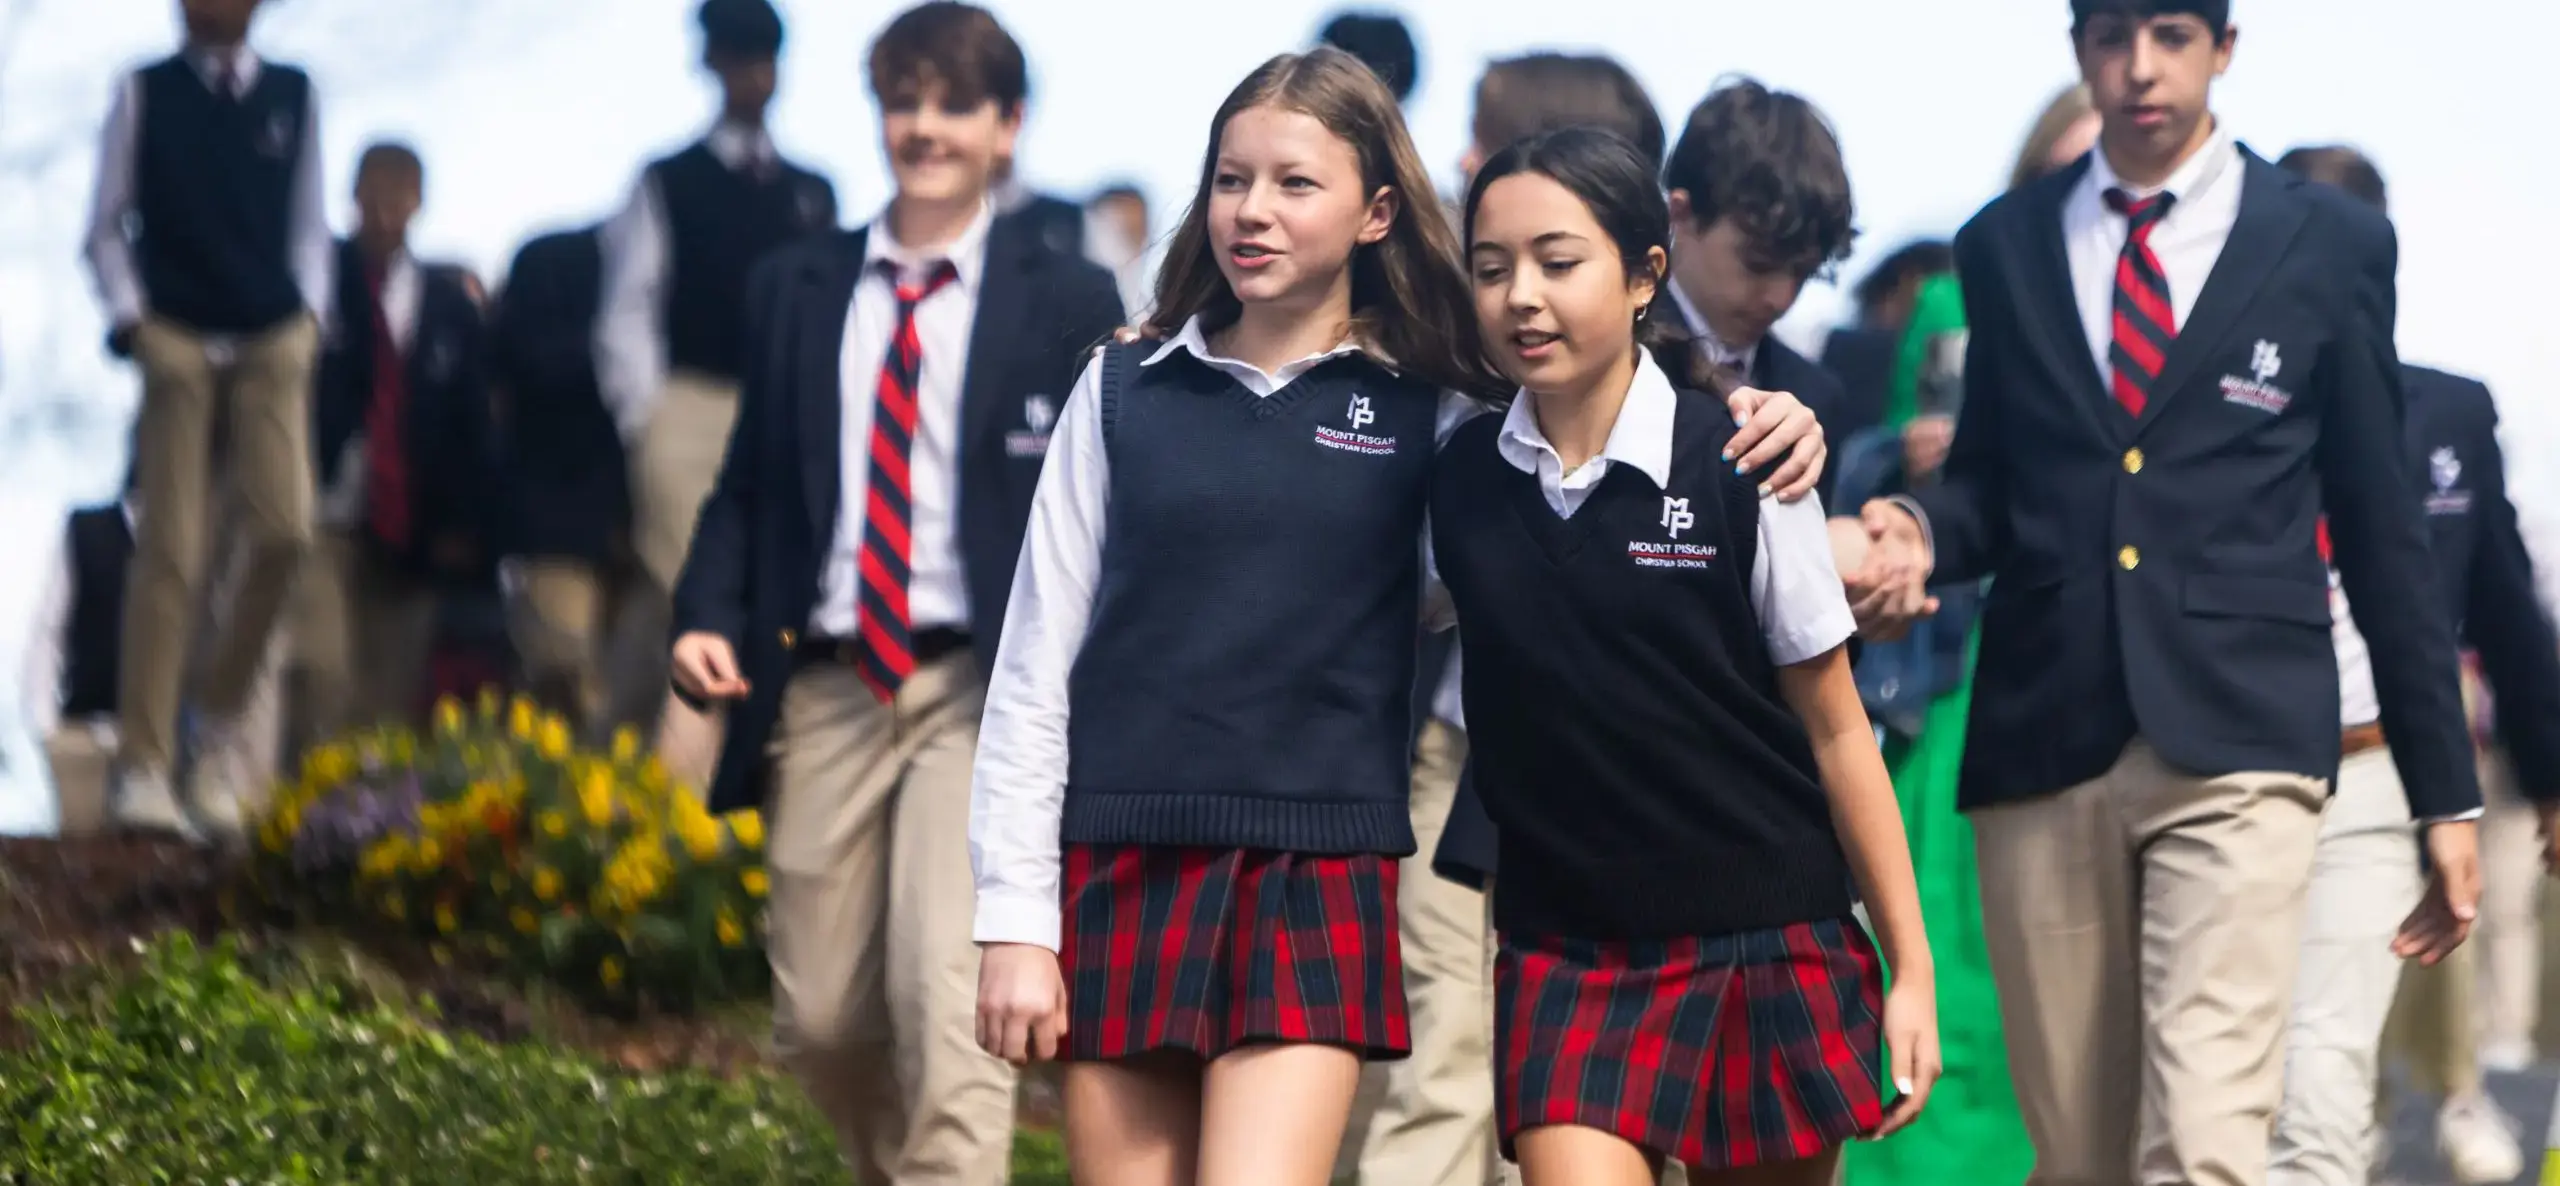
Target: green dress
{"x": 1971, "y": 1132}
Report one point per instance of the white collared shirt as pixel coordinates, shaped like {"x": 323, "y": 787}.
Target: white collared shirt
{"x": 1795, "y": 586}
{"x": 937, "y": 582}
{"x": 111, "y": 255}
{"x": 2357, "y": 703}
{"x": 2188, "y": 239}
{"x": 403, "y": 284}
{"x": 630, "y": 338}
{"x": 1021, "y": 778}
{"x": 1711, "y": 347}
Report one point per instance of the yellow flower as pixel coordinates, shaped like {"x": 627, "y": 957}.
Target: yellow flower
{"x": 446, "y": 922}
{"x": 546, "y": 883}
{"x": 610, "y": 971}
{"x": 428, "y": 855}
{"x": 448, "y": 716}
{"x": 520, "y": 719}
{"x": 525, "y": 921}
{"x": 731, "y": 934}
{"x": 555, "y": 738}
{"x": 554, "y": 824}
{"x": 626, "y": 745}
{"x": 755, "y": 882}
{"x": 748, "y": 827}
{"x": 596, "y": 803}
{"x": 488, "y": 704}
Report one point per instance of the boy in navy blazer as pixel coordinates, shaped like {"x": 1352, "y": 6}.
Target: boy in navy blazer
{"x": 2367, "y": 870}
{"x": 402, "y": 451}
{"x": 2143, "y": 462}
{"x": 1760, "y": 205}
{"x": 847, "y": 580}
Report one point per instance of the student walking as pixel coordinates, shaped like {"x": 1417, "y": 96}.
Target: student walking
{"x": 1667, "y": 735}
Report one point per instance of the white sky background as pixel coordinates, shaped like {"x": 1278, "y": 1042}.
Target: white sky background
{"x": 534, "y": 113}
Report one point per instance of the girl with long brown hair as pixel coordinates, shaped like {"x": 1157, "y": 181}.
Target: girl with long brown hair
{"x": 1192, "y": 772}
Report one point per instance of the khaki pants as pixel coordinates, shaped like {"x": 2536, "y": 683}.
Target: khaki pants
{"x": 260, "y": 400}
{"x": 1434, "y": 1122}
{"x": 363, "y": 637}
{"x": 2364, "y": 881}
{"x": 673, "y": 468}
{"x": 2144, "y": 930}
{"x": 2508, "y": 940}
{"x": 875, "y": 976}
{"x": 593, "y": 639}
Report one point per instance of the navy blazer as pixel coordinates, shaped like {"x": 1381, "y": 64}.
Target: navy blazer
{"x": 2486, "y": 575}
{"x": 563, "y": 455}
{"x": 759, "y": 550}
{"x": 448, "y": 434}
{"x": 2158, "y": 576}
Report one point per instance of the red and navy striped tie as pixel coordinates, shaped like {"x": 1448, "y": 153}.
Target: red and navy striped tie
{"x": 2145, "y": 322}
{"x": 884, "y": 659}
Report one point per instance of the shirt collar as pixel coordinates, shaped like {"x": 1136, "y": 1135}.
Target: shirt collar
{"x": 2200, "y": 173}
{"x": 968, "y": 253}
{"x": 1708, "y": 343}
{"x": 1641, "y": 437}
{"x": 208, "y": 61}
{"x": 1196, "y": 340}
{"x": 739, "y": 146}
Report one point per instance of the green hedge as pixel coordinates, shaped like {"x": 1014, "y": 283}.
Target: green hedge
{"x": 196, "y": 1069}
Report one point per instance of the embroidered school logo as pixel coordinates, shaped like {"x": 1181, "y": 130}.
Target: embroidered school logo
{"x": 277, "y": 139}
{"x": 1676, "y": 517}
{"x": 2264, "y": 362}
{"x": 2258, "y": 389}
{"x": 1352, "y": 440}
{"x": 2444, "y": 468}
{"x": 1039, "y": 415}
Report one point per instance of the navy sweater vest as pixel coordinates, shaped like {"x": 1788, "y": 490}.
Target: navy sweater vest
{"x": 1624, "y": 722}
{"x": 721, "y": 221}
{"x": 1245, "y": 679}
{"x": 213, "y": 189}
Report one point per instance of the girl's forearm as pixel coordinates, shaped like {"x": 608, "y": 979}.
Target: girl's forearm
{"x": 1869, "y": 821}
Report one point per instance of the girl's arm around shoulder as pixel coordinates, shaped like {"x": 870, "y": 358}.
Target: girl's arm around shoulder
{"x": 1020, "y": 780}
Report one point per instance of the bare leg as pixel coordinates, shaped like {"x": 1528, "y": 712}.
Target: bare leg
{"x": 1274, "y": 1115}
{"x": 1135, "y": 1122}
{"x": 1572, "y": 1155}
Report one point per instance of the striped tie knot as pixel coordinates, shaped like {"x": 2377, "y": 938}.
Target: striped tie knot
{"x": 2141, "y": 214}
{"x": 912, "y": 295}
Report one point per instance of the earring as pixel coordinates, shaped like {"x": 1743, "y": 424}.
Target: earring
{"x": 1640, "y": 312}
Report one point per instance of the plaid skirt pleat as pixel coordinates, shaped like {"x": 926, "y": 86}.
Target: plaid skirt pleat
{"x": 1719, "y": 1053}
{"x": 1208, "y": 950}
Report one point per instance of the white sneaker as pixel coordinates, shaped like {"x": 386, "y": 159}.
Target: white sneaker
{"x": 2507, "y": 1056}
{"x": 145, "y": 802}
{"x": 2478, "y": 1141}
{"x": 227, "y": 777}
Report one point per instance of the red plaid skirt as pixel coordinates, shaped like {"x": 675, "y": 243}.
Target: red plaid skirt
{"x": 1719, "y": 1053}
{"x": 1208, "y": 950}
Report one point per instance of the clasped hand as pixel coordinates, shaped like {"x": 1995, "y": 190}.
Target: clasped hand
{"x": 1885, "y": 562}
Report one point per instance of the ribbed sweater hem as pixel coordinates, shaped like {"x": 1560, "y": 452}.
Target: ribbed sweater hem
{"x": 1196, "y": 820}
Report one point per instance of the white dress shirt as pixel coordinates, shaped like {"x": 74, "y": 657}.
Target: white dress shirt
{"x": 2357, "y": 704}
{"x": 1711, "y": 347}
{"x": 342, "y": 503}
{"x": 937, "y": 581}
{"x": 111, "y": 253}
{"x": 1795, "y": 587}
{"x": 2188, "y": 239}
{"x": 630, "y": 339}
{"x": 1021, "y": 777}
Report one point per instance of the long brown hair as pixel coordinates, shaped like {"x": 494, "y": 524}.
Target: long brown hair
{"x": 2068, "y": 107}
{"x": 1409, "y": 297}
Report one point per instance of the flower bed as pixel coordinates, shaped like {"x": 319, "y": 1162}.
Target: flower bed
{"x": 493, "y": 838}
